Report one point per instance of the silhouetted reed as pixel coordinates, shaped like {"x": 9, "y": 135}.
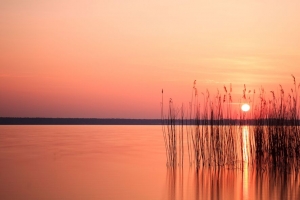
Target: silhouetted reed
{"x": 266, "y": 136}
{"x": 173, "y": 134}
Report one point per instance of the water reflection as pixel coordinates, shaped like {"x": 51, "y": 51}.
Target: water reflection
{"x": 222, "y": 183}
{"x": 175, "y": 180}
{"x": 245, "y": 135}
{"x": 245, "y": 182}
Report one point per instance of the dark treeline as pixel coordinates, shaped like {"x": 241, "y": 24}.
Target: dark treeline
{"x": 76, "y": 121}
{"x": 99, "y": 121}
{"x": 236, "y": 122}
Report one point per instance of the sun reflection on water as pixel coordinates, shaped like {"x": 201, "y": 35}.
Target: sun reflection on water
{"x": 245, "y": 144}
{"x": 245, "y": 162}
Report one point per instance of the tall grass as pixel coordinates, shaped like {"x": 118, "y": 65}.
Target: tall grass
{"x": 215, "y": 137}
{"x": 173, "y": 134}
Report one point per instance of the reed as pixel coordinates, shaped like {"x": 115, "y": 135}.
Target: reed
{"x": 215, "y": 137}
{"x": 173, "y": 135}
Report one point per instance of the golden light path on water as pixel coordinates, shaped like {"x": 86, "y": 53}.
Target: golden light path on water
{"x": 245, "y": 132}
{"x": 245, "y": 135}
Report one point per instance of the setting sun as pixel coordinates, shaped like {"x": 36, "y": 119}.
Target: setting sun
{"x": 245, "y": 107}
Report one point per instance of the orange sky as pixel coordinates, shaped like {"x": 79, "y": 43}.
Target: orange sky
{"x": 112, "y": 58}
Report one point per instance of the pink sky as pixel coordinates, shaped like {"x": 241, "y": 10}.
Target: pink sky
{"x": 110, "y": 59}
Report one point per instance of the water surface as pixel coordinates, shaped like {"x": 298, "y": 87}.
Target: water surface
{"x": 119, "y": 162}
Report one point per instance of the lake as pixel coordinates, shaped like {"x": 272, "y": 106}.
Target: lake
{"x": 120, "y": 162}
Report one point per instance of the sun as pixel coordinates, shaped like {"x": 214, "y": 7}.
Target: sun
{"x": 245, "y": 107}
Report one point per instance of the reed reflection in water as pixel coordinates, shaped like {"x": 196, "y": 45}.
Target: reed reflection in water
{"x": 245, "y": 182}
{"x": 223, "y": 183}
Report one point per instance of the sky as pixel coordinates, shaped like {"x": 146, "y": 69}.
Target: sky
{"x": 111, "y": 59}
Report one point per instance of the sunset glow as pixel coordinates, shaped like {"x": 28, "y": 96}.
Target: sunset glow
{"x": 110, "y": 59}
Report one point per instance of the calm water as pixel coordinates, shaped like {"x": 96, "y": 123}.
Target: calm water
{"x": 118, "y": 162}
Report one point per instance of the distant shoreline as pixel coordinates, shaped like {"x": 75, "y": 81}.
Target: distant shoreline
{"x": 121, "y": 121}
{"x": 76, "y": 121}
